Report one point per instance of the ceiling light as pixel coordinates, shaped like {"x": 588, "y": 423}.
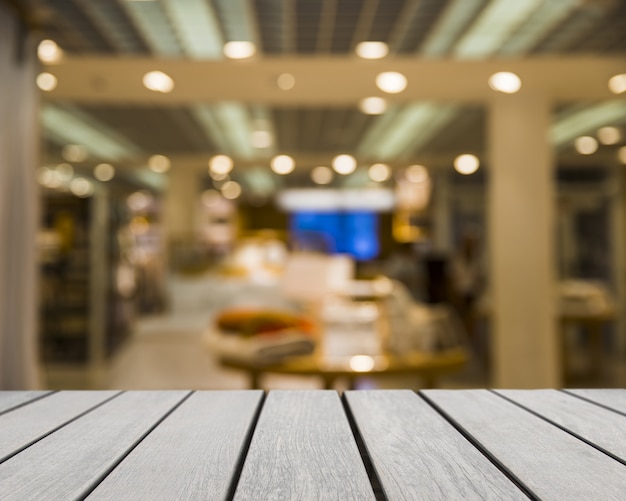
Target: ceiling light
{"x": 344, "y": 164}
{"x": 286, "y": 81}
{"x": 283, "y": 164}
{"x": 74, "y": 153}
{"x": 373, "y": 105}
{"x": 372, "y": 50}
{"x": 617, "y": 83}
{"x": 586, "y": 145}
{"x": 104, "y": 172}
{"x": 466, "y": 164}
{"x": 261, "y": 139}
{"x": 216, "y": 176}
{"x": 322, "y": 175}
{"x": 609, "y": 135}
{"x": 379, "y": 172}
{"x": 64, "y": 172}
{"x": 505, "y": 81}
{"x": 81, "y": 187}
{"x": 49, "y": 52}
{"x": 391, "y": 82}
{"x": 139, "y": 200}
{"x": 621, "y": 154}
{"x": 231, "y": 190}
{"x": 159, "y": 163}
{"x": 158, "y": 82}
{"x": 416, "y": 174}
{"x": 221, "y": 164}
{"x": 46, "y": 81}
{"x": 239, "y": 49}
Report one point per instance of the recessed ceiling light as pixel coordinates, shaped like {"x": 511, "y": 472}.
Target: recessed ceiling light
{"x": 379, "y": 172}
{"x": 64, "y": 172}
{"x": 49, "y": 52}
{"x": 505, "y": 81}
{"x": 46, "y": 81}
{"x": 344, "y": 164}
{"x": 466, "y": 164}
{"x": 221, "y": 164}
{"x": 81, "y": 187}
{"x": 286, "y": 81}
{"x": 239, "y": 49}
{"x": 158, "y": 81}
{"x": 104, "y": 172}
{"x": 322, "y": 175}
{"x": 391, "y": 82}
{"x": 586, "y": 145}
{"x": 74, "y": 153}
{"x": 231, "y": 190}
{"x": 282, "y": 164}
{"x": 261, "y": 139}
{"x": 617, "y": 83}
{"x": 159, "y": 163}
{"x": 609, "y": 135}
{"x": 373, "y": 105}
{"x": 372, "y": 50}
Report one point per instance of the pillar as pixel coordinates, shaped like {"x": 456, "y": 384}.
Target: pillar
{"x": 521, "y": 241}
{"x": 180, "y": 208}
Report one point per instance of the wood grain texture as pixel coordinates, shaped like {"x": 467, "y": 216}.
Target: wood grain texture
{"x": 12, "y": 399}
{"x": 27, "y": 424}
{"x": 550, "y": 462}
{"x": 612, "y": 398}
{"x": 192, "y": 454}
{"x": 601, "y": 427}
{"x": 303, "y": 448}
{"x": 417, "y": 454}
{"x": 66, "y": 464}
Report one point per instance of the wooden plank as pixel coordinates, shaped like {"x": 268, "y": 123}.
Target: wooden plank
{"x": 71, "y": 461}
{"x": 603, "y": 428}
{"x": 417, "y": 454}
{"x": 612, "y": 398}
{"x": 26, "y": 425}
{"x": 550, "y": 462}
{"x": 303, "y": 448}
{"x": 11, "y": 399}
{"x": 193, "y": 454}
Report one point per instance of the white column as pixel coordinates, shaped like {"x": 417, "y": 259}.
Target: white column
{"x": 521, "y": 239}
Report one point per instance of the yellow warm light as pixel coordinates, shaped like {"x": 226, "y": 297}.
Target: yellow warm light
{"x": 46, "y": 81}
{"x": 391, "y": 82}
{"x": 617, "y": 83}
{"x": 373, "y": 105}
{"x": 74, "y": 153}
{"x": 586, "y": 145}
{"x": 220, "y": 164}
{"x": 139, "y": 200}
{"x": 49, "y": 52}
{"x": 361, "y": 363}
{"x": 261, "y": 139}
{"x": 379, "y": 172}
{"x": 416, "y": 173}
{"x": 609, "y": 135}
{"x": 283, "y": 164}
{"x": 286, "y": 81}
{"x": 344, "y": 164}
{"x": 159, "y": 163}
{"x": 231, "y": 190}
{"x": 158, "y": 81}
{"x": 466, "y": 164}
{"x": 322, "y": 175}
{"x": 372, "y": 50}
{"x": 104, "y": 172}
{"x": 81, "y": 187}
{"x": 505, "y": 81}
{"x": 238, "y": 49}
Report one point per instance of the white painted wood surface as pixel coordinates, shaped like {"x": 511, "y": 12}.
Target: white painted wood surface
{"x": 70, "y": 462}
{"x": 552, "y": 463}
{"x": 164, "y": 445}
{"x": 417, "y": 454}
{"x": 192, "y": 454}
{"x": 601, "y": 427}
{"x": 612, "y": 398}
{"x": 303, "y": 448}
{"x": 12, "y": 399}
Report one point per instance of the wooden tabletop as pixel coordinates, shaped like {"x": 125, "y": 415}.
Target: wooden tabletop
{"x": 386, "y": 444}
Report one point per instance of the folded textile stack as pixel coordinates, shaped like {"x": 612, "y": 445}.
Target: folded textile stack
{"x": 260, "y": 336}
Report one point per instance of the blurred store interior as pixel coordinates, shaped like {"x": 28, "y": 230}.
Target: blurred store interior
{"x": 193, "y": 191}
